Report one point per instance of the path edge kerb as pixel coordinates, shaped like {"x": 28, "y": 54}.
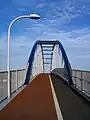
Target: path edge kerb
{"x": 57, "y": 107}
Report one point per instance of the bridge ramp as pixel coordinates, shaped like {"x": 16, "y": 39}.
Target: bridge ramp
{"x": 35, "y": 102}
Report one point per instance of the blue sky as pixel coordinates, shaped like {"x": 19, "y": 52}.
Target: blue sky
{"x": 64, "y": 20}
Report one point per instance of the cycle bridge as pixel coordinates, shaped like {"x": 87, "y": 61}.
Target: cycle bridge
{"x": 49, "y": 91}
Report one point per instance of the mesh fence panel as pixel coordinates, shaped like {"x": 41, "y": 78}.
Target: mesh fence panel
{"x": 17, "y": 80}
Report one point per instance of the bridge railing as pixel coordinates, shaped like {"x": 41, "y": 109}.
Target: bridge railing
{"x": 17, "y": 80}
{"x": 80, "y": 79}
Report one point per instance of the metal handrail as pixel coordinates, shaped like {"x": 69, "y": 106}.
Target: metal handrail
{"x": 75, "y": 77}
{"x": 11, "y": 94}
{"x": 81, "y": 79}
{"x": 17, "y": 79}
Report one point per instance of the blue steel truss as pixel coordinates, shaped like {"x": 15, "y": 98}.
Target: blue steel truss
{"x": 44, "y": 44}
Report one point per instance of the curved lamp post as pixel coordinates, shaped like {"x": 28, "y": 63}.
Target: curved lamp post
{"x": 32, "y": 16}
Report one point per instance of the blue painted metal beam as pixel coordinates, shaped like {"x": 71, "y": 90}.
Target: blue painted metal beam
{"x": 31, "y": 59}
{"x": 68, "y": 66}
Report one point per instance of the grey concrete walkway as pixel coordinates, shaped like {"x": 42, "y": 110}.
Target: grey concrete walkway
{"x": 71, "y": 105}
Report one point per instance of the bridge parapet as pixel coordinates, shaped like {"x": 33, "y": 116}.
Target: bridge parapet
{"x": 17, "y": 80}
{"x": 80, "y": 79}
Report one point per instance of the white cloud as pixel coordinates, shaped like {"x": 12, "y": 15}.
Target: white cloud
{"x": 68, "y": 9}
{"x": 3, "y": 41}
{"x": 76, "y": 44}
{"x": 41, "y": 5}
{"x": 20, "y": 47}
{"x": 61, "y": 12}
{"x": 85, "y": 0}
{"x": 22, "y": 9}
{"x": 24, "y": 2}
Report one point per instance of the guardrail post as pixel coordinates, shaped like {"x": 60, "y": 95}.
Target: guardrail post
{"x": 16, "y": 80}
{"x": 1, "y": 89}
{"x": 22, "y": 76}
{"x": 75, "y": 77}
{"x": 81, "y": 81}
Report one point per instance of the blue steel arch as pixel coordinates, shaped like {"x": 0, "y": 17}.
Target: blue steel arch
{"x": 68, "y": 66}
{"x": 30, "y": 61}
{"x": 31, "y": 58}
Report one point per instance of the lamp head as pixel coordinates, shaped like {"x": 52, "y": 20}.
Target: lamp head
{"x": 34, "y": 16}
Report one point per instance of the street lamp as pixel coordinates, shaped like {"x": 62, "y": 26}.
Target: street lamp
{"x": 32, "y": 16}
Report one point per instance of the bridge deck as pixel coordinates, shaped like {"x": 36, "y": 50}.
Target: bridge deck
{"x": 35, "y": 102}
{"x": 73, "y": 107}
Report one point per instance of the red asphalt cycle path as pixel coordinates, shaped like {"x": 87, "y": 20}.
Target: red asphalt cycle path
{"x": 34, "y": 102}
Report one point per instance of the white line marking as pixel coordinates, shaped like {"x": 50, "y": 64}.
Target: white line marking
{"x": 58, "y": 111}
